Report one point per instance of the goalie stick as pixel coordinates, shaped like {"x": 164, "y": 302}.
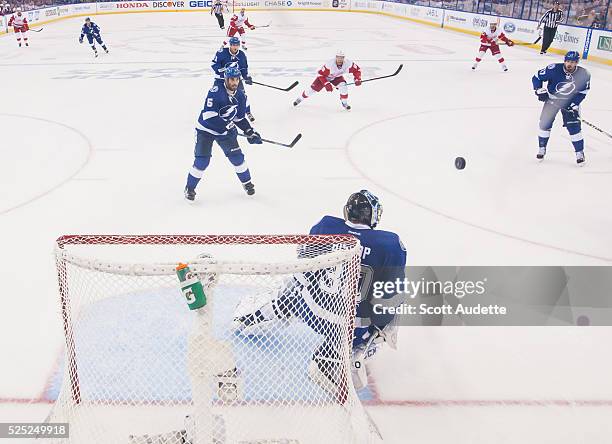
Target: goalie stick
{"x": 289, "y": 88}
{"x": 286, "y": 145}
{"x": 360, "y": 358}
{"x": 399, "y": 68}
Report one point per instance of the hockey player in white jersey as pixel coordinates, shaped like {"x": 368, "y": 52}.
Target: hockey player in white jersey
{"x": 331, "y": 76}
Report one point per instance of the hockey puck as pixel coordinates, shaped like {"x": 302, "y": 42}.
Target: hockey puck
{"x": 460, "y": 163}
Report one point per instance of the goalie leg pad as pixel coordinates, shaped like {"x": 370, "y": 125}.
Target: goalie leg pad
{"x": 325, "y": 369}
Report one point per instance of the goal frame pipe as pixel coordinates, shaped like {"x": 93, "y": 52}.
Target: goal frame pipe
{"x": 178, "y": 239}
{"x": 73, "y": 373}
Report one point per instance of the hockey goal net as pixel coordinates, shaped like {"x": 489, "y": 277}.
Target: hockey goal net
{"x": 142, "y": 365}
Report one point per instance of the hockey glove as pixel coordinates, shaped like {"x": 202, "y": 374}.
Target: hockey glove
{"x": 251, "y": 27}
{"x": 253, "y": 137}
{"x": 329, "y": 87}
{"x": 510, "y": 43}
{"x": 573, "y": 111}
{"x": 357, "y": 81}
{"x": 81, "y": 40}
{"x": 248, "y": 80}
{"x": 542, "y": 94}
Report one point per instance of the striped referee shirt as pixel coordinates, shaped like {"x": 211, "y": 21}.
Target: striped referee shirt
{"x": 217, "y": 7}
{"x": 551, "y": 18}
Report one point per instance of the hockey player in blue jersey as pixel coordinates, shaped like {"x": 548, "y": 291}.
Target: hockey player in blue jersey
{"x": 224, "y": 110}
{"x": 383, "y": 259}
{"x": 92, "y": 32}
{"x": 567, "y": 87}
{"x": 233, "y": 55}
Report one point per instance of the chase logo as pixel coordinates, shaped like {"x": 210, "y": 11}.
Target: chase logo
{"x": 228, "y": 112}
{"x": 509, "y": 27}
{"x": 565, "y": 88}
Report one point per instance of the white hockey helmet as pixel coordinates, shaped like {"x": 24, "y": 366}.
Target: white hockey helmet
{"x": 339, "y": 53}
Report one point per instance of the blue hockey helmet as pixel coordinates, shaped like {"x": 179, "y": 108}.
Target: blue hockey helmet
{"x": 234, "y": 41}
{"x": 572, "y": 56}
{"x": 363, "y": 208}
{"x": 231, "y": 71}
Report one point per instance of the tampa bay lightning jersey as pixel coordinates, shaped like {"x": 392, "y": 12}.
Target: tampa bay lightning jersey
{"x": 224, "y": 57}
{"x": 383, "y": 259}
{"x": 564, "y": 88}
{"x": 221, "y": 110}
{"x": 314, "y": 297}
{"x": 90, "y": 31}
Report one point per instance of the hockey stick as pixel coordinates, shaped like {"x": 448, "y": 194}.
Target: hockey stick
{"x": 290, "y": 87}
{"x": 37, "y": 30}
{"x": 596, "y": 128}
{"x": 286, "y": 145}
{"x": 360, "y": 357}
{"x": 264, "y": 26}
{"x": 399, "y": 68}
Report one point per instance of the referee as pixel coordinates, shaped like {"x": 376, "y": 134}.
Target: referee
{"x": 550, "y": 20}
{"x": 217, "y": 8}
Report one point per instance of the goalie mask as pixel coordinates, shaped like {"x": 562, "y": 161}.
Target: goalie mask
{"x": 363, "y": 208}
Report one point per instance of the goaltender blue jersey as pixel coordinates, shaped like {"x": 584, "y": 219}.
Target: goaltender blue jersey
{"x": 221, "y": 111}
{"x": 90, "y": 31}
{"x": 224, "y": 57}
{"x": 564, "y": 88}
{"x": 383, "y": 259}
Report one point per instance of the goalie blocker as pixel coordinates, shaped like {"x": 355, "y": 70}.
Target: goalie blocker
{"x": 383, "y": 259}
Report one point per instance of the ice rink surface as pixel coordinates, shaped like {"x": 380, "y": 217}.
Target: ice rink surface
{"x": 104, "y": 145}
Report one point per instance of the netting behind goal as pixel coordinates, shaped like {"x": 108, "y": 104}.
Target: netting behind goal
{"x": 142, "y": 367}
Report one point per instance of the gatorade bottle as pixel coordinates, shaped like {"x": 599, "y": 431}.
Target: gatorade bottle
{"x": 191, "y": 287}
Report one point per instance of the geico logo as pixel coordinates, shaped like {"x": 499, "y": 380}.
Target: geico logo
{"x": 168, "y": 4}
{"x": 200, "y": 4}
{"x": 133, "y": 5}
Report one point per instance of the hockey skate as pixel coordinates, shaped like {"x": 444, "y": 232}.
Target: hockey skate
{"x": 27, "y": 44}
{"x": 249, "y": 188}
{"x": 580, "y": 157}
{"x": 250, "y": 116}
{"x": 20, "y": 44}
{"x": 346, "y": 106}
{"x": 541, "y": 153}
{"x": 474, "y": 66}
{"x": 297, "y": 101}
{"x": 505, "y": 68}
{"x": 190, "y": 194}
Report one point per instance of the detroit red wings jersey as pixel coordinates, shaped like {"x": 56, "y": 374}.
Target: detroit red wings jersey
{"x": 239, "y": 20}
{"x": 18, "y": 21}
{"x": 331, "y": 71}
{"x": 488, "y": 37}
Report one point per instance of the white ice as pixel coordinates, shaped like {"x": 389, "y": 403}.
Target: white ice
{"x": 104, "y": 145}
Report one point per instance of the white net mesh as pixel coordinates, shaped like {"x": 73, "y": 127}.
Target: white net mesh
{"x": 266, "y": 360}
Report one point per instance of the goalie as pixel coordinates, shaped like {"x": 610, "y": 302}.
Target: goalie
{"x": 310, "y": 296}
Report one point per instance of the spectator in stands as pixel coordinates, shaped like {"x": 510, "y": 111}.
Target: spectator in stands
{"x": 5, "y": 9}
{"x": 598, "y": 22}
